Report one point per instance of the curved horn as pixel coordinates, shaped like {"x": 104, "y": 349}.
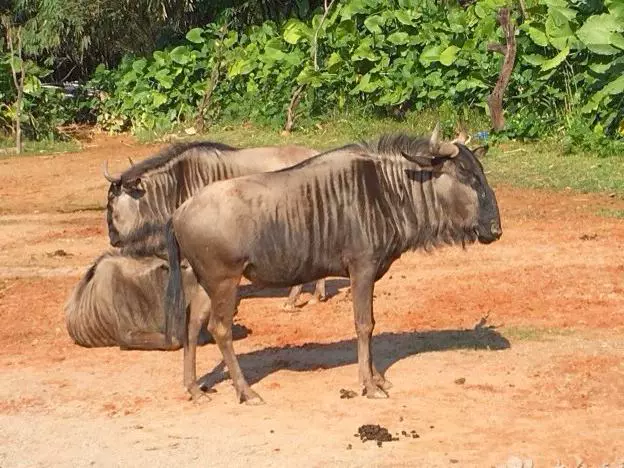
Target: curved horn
{"x": 107, "y": 176}
{"x": 463, "y": 138}
{"x": 434, "y": 141}
{"x": 131, "y": 161}
{"x": 450, "y": 150}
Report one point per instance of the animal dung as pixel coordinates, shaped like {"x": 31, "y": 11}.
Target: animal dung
{"x": 344, "y": 393}
{"x": 460, "y": 381}
{"x": 375, "y": 432}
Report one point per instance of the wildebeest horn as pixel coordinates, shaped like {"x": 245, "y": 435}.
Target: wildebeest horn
{"x": 448, "y": 149}
{"x": 462, "y": 137}
{"x": 434, "y": 141}
{"x": 131, "y": 161}
{"x": 109, "y": 177}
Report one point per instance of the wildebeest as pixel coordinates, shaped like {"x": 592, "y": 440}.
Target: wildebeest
{"x": 350, "y": 212}
{"x": 149, "y": 192}
{"x": 119, "y": 301}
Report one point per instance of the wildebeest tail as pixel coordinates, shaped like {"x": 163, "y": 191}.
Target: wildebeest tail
{"x": 175, "y": 310}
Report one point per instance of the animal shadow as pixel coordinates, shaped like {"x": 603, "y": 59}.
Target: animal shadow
{"x": 332, "y": 287}
{"x": 238, "y": 333}
{"x": 388, "y": 348}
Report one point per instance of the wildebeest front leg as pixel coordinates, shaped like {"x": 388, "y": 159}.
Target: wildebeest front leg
{"x": 220, "y": 326}
{"x": 362, "y": 285}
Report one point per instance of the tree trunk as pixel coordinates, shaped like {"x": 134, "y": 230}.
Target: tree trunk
{"x": 495, "y": 100}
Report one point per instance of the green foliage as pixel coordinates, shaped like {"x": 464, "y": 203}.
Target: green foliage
{"x": 382, "y": 58}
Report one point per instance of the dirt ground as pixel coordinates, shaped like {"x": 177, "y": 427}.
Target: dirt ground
{"x": 512, "y": 349}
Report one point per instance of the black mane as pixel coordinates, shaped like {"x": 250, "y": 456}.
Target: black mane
{"x": 399, "y": 143}
{"x": 169, "y": 153}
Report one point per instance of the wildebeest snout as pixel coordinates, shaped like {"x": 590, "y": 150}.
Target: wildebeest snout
{"x": 496, "y": 229}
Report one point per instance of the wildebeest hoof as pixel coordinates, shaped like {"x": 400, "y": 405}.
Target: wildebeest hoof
{"x": 383, "y": 383}
{"x": 289, "y": 307}
{"x": 196, "y": 395}
{"x": 375, "y": 392}
{"x": 251, "y": 398}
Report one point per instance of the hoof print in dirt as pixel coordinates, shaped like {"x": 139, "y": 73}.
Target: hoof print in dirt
{"x": 348, "y": 394}
{"x": 375, "y": 432}
{"x": 589, "y": 237}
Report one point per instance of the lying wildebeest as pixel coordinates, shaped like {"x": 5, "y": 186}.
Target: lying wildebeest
{"x": 119, "y": 301}
{"x": 349, "y": 212}
{"x": 150, "y": 191}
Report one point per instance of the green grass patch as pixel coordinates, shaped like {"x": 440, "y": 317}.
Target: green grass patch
{"x": 611, "y": 213}
{"x": 29, "y": 148}
{"x": 529, "y": 333}
{"x": 546, "y": 165}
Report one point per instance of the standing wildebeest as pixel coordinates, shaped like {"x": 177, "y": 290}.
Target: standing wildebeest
{"x": 149, "y": 192}
{"x": 350, "y": 212}
{"x": 119, "y": 301}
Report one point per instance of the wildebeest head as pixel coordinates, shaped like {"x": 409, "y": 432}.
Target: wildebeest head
{"x": 460, "y": 185}
{"x": 123, "y": 206}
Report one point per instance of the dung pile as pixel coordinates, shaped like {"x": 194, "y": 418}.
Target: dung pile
{"x": 375, "y": 432}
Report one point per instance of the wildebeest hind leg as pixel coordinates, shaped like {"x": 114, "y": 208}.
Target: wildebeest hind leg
{"x": 147, "y": 341}
{"x": 362, "y": 285}
{"x": 295, "y": 291}
{"x": 220, "y": 326}
{"x": 319, "y": 292}
{"x": 197, "y": 320}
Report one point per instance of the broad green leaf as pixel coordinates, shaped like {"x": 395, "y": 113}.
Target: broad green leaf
{"x": 537, "y": 36}
{"x": 447, "y": 57}
{"x": 158, "y": 99}
{"x": 195, "y": 35}
{"x": 365, "y": 85}
{"x": 615, "y": 87}
{"x": 295, "y": 30}
{"x": 617, "y": 39}
{"x": 593, "y": 103}
{"x": 559, "y": 34}
{"x": 364, "y": 51}
{"x": 430, "y": 54}
{"x": 600, "y": 68}
{"x": 310, "y": 76}
{"x": 403, "y": 17}
{"x": 334, "y": 60}
{"x": 374, "y": 23}
{"x": 398, "y": 38}
{"x": 180, "y": 55}
{"x": 616, "y": 8}
{"x": 139, "y": 65}
{"x": 534, "y": 59}
{"x": 230, "y": 39}
{"x": 602, "y": 49}
{"x": 31, "y": 84}
{"x": 561, "y": 15}
{"x": 163, "y": 78}
{"x": 597, "y": 30}
{"x": 556, "y": 60}
{"x": 480, "y": 11}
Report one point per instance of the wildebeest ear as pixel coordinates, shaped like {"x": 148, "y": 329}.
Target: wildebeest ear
{"x": 481, "y": 151}
{"x": 133, "y": 183}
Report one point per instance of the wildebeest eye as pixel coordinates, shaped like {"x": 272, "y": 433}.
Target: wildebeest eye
{"x": 114, "y": 190}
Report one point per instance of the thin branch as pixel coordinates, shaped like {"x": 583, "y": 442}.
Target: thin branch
{"x": 294, "y": 102}
{"x": 495, "y": 47}
{"x": 523, "y": 8}
{"x": 316, "y": 31}
{"x": 495, "y": 100}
